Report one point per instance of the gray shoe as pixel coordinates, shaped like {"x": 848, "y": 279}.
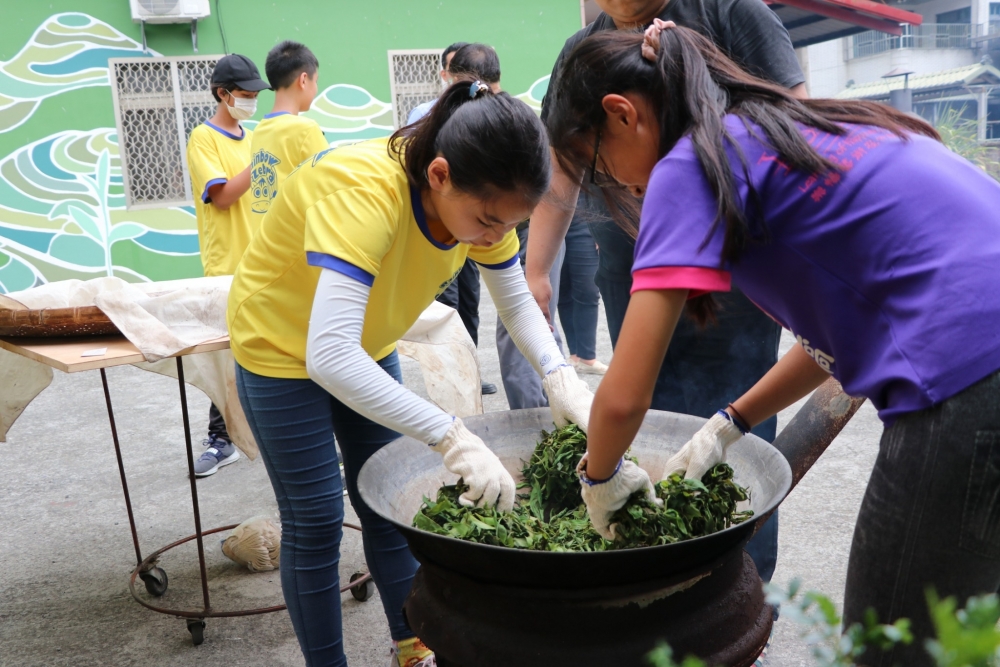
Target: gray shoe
{"x": 219, "y": 453}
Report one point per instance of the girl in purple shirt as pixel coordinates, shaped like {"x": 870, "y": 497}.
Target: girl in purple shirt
{"x": 850, "y": 224}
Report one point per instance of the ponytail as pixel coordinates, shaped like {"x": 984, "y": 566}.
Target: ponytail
{"x": 692, "y": 86}
{"x": 494, "y": 144}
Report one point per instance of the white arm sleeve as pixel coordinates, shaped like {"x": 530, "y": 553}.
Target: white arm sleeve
{"x": 336, "y": 361}
{"x": 524, "y": 320}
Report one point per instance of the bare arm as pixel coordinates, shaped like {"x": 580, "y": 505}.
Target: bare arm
{"x": 226, "y": 194}
{"x": 549, "y": 223}
{"x": 626, "y": 391}
{"x": 794, "y": 376}
{"x": 800, "y": 91}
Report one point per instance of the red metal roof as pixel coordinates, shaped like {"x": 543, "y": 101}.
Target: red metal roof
{"x": 813, "y": 21}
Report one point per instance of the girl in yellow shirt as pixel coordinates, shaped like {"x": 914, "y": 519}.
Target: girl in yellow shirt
{"x": 359, "y": 243}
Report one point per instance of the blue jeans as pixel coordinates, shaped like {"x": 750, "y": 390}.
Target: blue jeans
{"x": 520, "y": 380}
{"x": 578, "y": 294}
{"x": 294, "y": 422}
{"x": 704, "y": 369}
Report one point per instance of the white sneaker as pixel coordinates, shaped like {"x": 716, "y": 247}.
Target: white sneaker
{"x": 596, "y": 368}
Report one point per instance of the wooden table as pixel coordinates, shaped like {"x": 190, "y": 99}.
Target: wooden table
{"x": 66, "y": 354}
{"x": 70, "y": 356}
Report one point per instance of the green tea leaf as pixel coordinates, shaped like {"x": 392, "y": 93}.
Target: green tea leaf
{"x": 551, "y": 516}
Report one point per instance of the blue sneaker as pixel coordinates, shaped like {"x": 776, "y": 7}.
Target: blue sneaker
{"x": 219, "y": 453}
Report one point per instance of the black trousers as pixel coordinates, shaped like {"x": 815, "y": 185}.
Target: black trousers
{"x": 216, "y": 424}
{"x": 930, "y": 517}
{"x": 463, "y": 295}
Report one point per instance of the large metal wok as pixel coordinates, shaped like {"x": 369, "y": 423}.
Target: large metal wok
{"x": 394, "y": 481}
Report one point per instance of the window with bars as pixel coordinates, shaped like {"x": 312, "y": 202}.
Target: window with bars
{"x": 158, "y": 101}
{"x": 414, "y": 78}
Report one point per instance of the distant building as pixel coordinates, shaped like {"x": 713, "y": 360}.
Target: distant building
{"x": 949, "y": 58}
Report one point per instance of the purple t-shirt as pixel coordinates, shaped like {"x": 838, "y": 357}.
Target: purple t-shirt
{"x": 887, "y": 272}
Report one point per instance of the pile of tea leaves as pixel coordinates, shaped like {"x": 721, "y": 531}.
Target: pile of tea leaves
{"x": 550, "y": 514}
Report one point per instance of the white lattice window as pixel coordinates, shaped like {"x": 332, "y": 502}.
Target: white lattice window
{"x": 158, "y": 101}
{"x": 414, "y": 78}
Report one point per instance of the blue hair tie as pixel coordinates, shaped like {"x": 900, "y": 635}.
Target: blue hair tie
{"x": 476, "y": 88}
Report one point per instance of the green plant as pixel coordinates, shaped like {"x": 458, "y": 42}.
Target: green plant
{"x": 965, "y": 637}
{"x": 663, "y": 656}
{"x": 961, "y": 136}
{"x": 818, "y": 615}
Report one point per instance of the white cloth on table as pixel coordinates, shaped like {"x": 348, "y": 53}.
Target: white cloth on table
{"x": 164, "y": 318}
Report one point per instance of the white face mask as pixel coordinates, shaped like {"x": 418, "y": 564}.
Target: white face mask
{"x": 244, "y": 108}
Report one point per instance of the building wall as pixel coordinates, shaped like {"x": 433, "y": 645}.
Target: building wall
{"x": 919, "y": 61}
{"x": 930, "y": 10}
{"x": 830, "y": 71}
{"x": 827, "y": 71}
{"x": 62, "y": 209}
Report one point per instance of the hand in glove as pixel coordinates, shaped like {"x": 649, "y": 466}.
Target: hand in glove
{"x": 604, "y": 497}
{"x": 465, "y": 454}
{"x": 705, "y": 449}
{"x": 569, "y": 397}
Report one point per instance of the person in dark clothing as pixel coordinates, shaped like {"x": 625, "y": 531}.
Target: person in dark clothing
{"x": 705, "y": 367}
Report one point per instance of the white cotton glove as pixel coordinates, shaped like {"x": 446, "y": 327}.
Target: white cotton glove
{"x": 569, "y": 397}
{"x": 604, "y": 498}
{"x": 705, "y": 449}
{"x": 467, "y": 455}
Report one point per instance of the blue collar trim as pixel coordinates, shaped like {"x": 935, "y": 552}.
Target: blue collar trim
{"x": 421, "y": 217}
{"x": 227, "y": 134}
{"x": 278, "y": 113}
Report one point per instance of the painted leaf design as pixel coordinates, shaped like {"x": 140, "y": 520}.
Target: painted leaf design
{"x": 87, "y": 222}
{"x": 125, "y": 230}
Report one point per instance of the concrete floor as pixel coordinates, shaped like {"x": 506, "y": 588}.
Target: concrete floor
{"x": 65, "y": 551}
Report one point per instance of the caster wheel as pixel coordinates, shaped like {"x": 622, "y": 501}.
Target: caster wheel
{"x": 155, "y": 580}
{"x": 196, "y": 626}
{"x": 364, "y": 590}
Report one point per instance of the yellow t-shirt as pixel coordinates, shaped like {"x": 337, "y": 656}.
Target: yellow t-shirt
{"x": 351, "y": 210}
{"x": 215, "y": 156}
{"x": 280, "y": 143}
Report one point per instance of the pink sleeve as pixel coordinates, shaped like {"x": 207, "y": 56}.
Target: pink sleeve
{"x": 697, "y": 279}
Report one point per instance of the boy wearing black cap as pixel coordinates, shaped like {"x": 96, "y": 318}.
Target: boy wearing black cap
{"x": 218, "y": 156}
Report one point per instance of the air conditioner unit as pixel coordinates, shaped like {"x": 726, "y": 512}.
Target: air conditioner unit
{"x": 169, "y": 11}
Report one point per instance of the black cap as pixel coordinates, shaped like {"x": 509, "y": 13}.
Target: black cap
{"x": 239, "y": 70}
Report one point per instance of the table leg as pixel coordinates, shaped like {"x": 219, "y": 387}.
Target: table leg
{"x": 121, "y": 466}
{"x": 194, "y": 488}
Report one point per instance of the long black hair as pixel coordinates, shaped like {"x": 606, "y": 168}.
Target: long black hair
{"x": 692, "y": 86}
{"x": 494, "y": 144}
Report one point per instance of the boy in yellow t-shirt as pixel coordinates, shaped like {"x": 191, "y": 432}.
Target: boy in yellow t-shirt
{"x": 284, "y": 139}
{"x": 218, "y": 156}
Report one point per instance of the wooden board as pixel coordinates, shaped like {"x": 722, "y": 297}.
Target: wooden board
{"x": 64, "y": 354}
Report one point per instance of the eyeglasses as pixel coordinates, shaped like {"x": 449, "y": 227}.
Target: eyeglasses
{"x": 598, "y": 178}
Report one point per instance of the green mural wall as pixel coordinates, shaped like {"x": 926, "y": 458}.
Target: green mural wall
{"x": 62, "y": 209}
